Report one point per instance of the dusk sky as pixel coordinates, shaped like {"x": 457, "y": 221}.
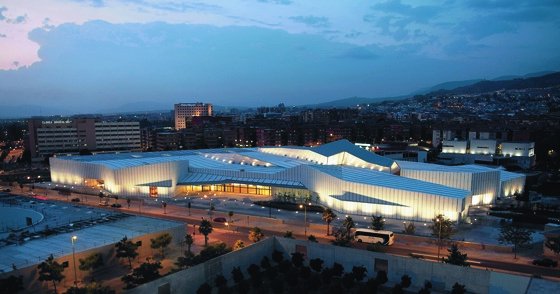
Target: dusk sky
{"x": 88, "y": 56}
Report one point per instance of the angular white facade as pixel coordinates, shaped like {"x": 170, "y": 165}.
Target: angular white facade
{"x": 338, "y": 175}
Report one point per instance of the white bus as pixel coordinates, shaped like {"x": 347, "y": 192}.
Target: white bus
{"x": 374, "y": 236}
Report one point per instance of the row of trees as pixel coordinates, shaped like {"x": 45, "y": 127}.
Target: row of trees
{"x": 293, "y": 274}
{"x": 52, "y": 271}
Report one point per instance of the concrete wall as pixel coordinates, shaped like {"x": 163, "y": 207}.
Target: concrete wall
{"x": 188, "y": 281}
{"x": 31, "y": 275}
{"x": 442, "y": 276}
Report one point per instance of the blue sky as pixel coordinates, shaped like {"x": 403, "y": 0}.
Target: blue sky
{"x": 89, "y": 56}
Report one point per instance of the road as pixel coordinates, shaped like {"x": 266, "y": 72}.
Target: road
{"x": 238, "y": 230}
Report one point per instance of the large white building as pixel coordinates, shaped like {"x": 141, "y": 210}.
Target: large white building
{"x": 339, "y": 175}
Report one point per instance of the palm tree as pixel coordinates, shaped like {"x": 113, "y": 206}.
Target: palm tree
{"x": 328, "y": 217}
{"x": 205, "y": 228}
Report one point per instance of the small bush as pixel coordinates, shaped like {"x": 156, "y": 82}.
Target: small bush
{"x": 337, "y": 269}
{"x": 204, "y": 289}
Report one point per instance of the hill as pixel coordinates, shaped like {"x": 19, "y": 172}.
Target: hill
{"x": 548, "y": 80}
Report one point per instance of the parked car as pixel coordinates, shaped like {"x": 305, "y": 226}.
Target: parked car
{"x": 75, "y": 199}
{"x": 220, "y": 219}
{"x": 116, "y": 205}
{"x": 7, "y": 190}
{"x": 547, "y": 262}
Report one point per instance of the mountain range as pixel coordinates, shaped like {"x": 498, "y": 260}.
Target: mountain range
{"x": 532, "y": 80}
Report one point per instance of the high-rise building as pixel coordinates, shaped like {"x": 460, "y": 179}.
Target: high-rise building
{"x": 48, "y": 137}
{"x": 184, "y": 112}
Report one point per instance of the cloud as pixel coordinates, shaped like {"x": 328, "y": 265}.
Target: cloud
{"x": 19, "y": 19}
{"x": 2, "y": 9}
{"x": 359, "y": 53}
{"x": 92, "y": 3}
{"x": 278, "y": 2}
{"x": 313, "y": 21}
{"x": 3, "y": 35}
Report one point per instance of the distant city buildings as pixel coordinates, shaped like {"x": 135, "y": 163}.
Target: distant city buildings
{"x": 48, "y": 137}
{"x": 479, "y": 148}
{"x": 184, "y": 112}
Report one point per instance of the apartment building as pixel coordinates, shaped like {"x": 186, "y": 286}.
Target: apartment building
{"x": 184, "y": 112}
{"x": 47, "y": 137}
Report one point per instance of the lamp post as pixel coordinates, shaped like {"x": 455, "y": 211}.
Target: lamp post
{"x": 304, "y": 206}
{"x": 439, "y": 237}
{"x": 74, "y": 239}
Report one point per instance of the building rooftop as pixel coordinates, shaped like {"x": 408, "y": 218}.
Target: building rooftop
{"x": 93, "y": 231}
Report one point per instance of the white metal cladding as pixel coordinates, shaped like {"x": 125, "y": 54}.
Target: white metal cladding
{"x": 485, "y": 183}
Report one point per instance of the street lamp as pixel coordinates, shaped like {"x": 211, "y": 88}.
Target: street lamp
{"x": 74, "y": 239}
{"x": 304, "y": 206}
{"x": 439, "y": 237}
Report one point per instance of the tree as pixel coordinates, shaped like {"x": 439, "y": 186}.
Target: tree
{"x": 205, "y": 228}
{"x": 189, "y": 207}
{"x": 238, "y": 245}
{"x": 91, "y": 288}
{"x": 359, "y": 272}
{"x": 337, "y": 269}
{"x": 553, "y": 243}
{"x": 146, "y": 272}
{"x": 458, "y": 289}
{"x": 349, "y": 224}
{"x": 91, "y": 262}
{"x": 312, "y": 238}
{"x": 455, "y": 257}
{"x": 189, "y": 240}
{"x": 348, "y": 280}
{"x": 289, "y": 235}
{"x": 406, "y": 280}
{"x": 328, "y": 217}
{"x": 237, "y": 275}
{"x": 220, "y": 281}
{"x": 514, "y": 234}
{"x": 204, "y": 289}
{"x": 265, "y": 263}
{"x": 51, "y": 271}
{"x": 377, "y": 222}
{"x": 161, "y": 242}
{"x": 316, "y": 264}
{"x": 11, "y": 284}
{"x": 277, "y": 256}
{"x": 255, "y": 234}
{"x": 442, "y": 227}
{"x": 343, "y": 235}
{"x": 381, "y": 277}
{"x": 128, "y": 202}
{"x": 297, "y": 259}
{"x": 164, "y": 205}
{"x": 230, "y": 214}
{"x": 127, "y": 249}
{"x": 409, "y": 228}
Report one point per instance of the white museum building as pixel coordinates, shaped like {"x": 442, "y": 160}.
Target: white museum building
{"x": 338, "y": 175}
